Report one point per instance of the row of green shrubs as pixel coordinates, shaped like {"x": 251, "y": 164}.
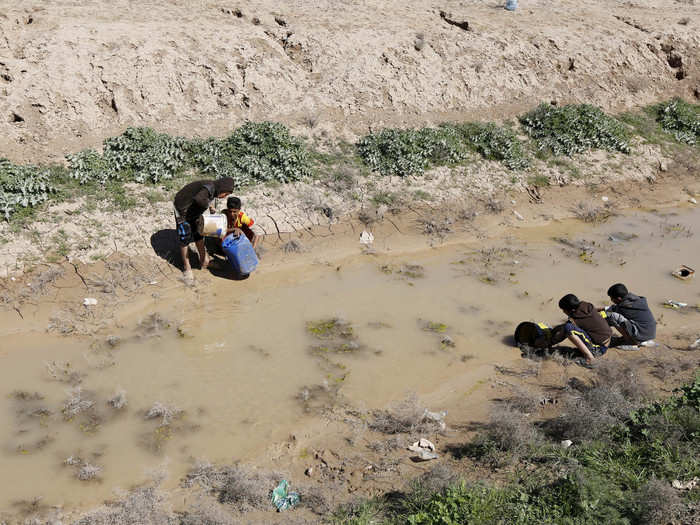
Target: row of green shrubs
{"x": 255, "y": 152}
{"x": 267, "y": 152}
{"x": 622, "y": 476}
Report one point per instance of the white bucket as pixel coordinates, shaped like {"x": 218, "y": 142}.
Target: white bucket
{"x": 214, "y": 225}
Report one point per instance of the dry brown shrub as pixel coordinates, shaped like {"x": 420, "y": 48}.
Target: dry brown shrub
{"x": 658, "y": 502}
{"x": 590, "y": 213}
{"x": 406, "y": 416}
{"x": 242, "y": 487}
{"x": 509, "y": 431}
{"x": 144, "y": 505}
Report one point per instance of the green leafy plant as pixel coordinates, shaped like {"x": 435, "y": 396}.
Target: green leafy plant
{"x": 574, "y": 129}
{"x": 681, "y": 119}
{"x": 255, "y": 152}
{"x": 495, "y": 143}
{"x": 396, "y": 151}
{"x": 138, "y": 155}
{"x": 412, "y": 151}
{"x": 22, "y": 187}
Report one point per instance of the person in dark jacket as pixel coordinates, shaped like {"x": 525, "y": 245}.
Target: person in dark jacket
{"x": 190, "y": 203}
{"x": 585, "y": 328}
{"x": 630, "y": 315}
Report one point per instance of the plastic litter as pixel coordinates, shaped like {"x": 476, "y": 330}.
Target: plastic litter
{"x": 670, "y": 303}
{"x": 566, "y": 443}
{"x": 89, "y": 301}
{"x": 683, "y": 273}
{"x": 518, "y": 216}
{"x": 604, "y": 198}
{"x": 511, "y": 5}
{"x": 692, "y": 200}
{"x": 281, "y": 498}
{"x": 366, "y": 238}
{"x": 649, "y": 344}
{"x": 424, "y": 449}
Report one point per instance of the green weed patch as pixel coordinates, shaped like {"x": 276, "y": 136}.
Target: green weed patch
{"x": 681, "y": 119}
{"x": 411, "y": 151}
{"x": 22, "y": 187}
{"x": 574, "y": 129}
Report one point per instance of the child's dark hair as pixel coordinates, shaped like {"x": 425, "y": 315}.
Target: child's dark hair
{"x": 618, "y": 290}
{"x": 569, "y": 302}
{"x": 233, "y": 203}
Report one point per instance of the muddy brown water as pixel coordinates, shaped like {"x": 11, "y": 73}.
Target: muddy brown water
{"x": 240, "y": 365}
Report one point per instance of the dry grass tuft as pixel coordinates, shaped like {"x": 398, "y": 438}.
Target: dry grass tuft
{"x": 241, "y": 487}
{"x": 118, "y": 400}
{"x": 166, "y": 412}
{"x": 206, "y": 511}
{"x": 24, "y": 395}
{"x": 616, "y": 391}
{"x": 293, "y": 246}
{"x": 658, "y": 503}
{"x": 88, "y": 472}
{"x": 509, "y": 431}
{"x": 145, "y": 505}
{"x": 76, "y": 404}
{"x": 64, "y": 372}
{"x": 153, "y": 324}
{"x": 590, "y": 213}
{"x": 385, "y": 446}
{"x": 407, "y": 416}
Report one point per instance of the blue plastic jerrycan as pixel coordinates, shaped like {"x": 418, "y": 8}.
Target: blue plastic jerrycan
{"x": 511, "y": 5}
{"x": 240, "y": 253}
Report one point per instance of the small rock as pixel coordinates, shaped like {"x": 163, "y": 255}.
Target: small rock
{"x": 604, "y": 198}
{"x": 663, "y": 165}
{"x": 518, "y": 216}
{"x": 692, "y": 200}
{"x": 89, "y": 301}
{"x": 309, "y": 471}
{"x": 566, "y": 443}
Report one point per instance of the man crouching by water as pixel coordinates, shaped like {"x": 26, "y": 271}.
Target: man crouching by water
{"x": 190, "y": 203}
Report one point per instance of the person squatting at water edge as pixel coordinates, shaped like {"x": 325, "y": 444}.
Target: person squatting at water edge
{"x": 586, "y": 327}
{"x": 238, "y": 222}
{"x": 190, "y": 203}
{"x": 631, "y": 316}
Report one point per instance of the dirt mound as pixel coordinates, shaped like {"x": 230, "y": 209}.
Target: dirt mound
{"x": 72, "y": 74}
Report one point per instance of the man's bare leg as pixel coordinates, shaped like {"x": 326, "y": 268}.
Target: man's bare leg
{"x": 186, "y": 268}
{"x": 203, "y": 257}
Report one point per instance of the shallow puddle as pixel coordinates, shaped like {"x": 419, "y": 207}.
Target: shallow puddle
{"x": 226, "y": 379}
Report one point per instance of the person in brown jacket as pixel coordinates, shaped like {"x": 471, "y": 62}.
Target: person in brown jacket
{"x": 586, "y": 327}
